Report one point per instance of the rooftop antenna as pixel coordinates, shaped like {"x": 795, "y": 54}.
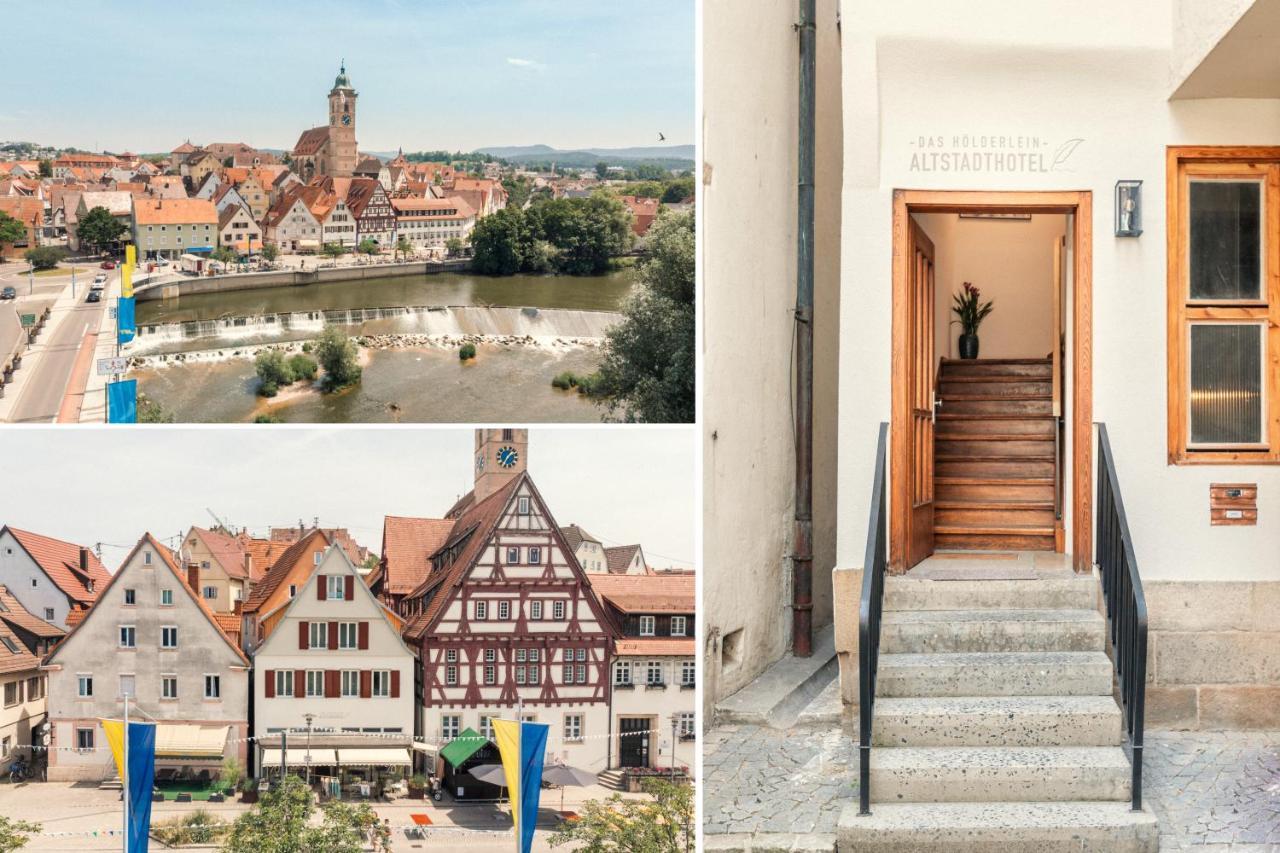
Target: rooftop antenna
{"x": 214, "y": 516}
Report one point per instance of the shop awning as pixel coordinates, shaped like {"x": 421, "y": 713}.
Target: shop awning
{"x": 428, "y": 748}
{"x": 185, "y": 741}
{"x": 298, "y": 757}
{"x": 463, "y": 747}
{"x": 383, "y": 757}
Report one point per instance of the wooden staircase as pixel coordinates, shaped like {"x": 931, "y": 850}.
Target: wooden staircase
{"x": 994, "y": 456}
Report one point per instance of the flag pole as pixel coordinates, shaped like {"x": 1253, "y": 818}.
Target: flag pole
{"x": 125, "y": 775}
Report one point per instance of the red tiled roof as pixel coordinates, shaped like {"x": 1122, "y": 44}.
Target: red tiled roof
{"x": 647, "y": 593}
{"x": 657, "y": 646}
{"x": 478, "y": 523}
{"x": 14, "y": 656}
{"x": 61, "y": 562}
{"x": 311, "y": 141}
{"x": 407, "y": 546}
{"x": 264, "y": 553}
{"x": 74, "y": 618}
{"x": 271, "y": 581}
{"x": 227, "y": 550}
{"x": 13, "y": 613}
{"x": 574, "y": 536}
{"x": 620, "y": 558}
{"x": 359, "y": 195}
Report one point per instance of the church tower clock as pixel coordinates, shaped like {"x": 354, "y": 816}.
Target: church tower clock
{"x": 501, "y": 455}
{"x": 342, "y": 149}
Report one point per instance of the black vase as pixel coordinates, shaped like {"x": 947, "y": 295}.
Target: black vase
{"x": 968, "y": 346}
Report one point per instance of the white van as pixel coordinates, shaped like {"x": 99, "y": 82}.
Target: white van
{"x": 99, "y": 281}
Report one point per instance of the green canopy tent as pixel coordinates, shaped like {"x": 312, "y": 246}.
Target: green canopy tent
{"x": 469, "y": 749}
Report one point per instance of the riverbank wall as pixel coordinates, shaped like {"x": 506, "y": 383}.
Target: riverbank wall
{"x": 291, "y": 278}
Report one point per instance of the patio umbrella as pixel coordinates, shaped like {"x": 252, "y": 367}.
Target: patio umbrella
{"x": 562, "y": 775}
{"x": 493, "y": 774}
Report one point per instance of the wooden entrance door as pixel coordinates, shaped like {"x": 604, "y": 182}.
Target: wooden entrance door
{"x": 921, "y": 393}
{"x": 633, "y": 742}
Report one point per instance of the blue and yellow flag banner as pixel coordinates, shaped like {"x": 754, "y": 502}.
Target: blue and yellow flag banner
{"x": 126, "y": 328}
{"x": 122, "y": 402}
{"x": 522, "y": 747}
{"x": 142, "y": 767}
{"x": 126, "y": 281}
{"x": 131, "y": 255}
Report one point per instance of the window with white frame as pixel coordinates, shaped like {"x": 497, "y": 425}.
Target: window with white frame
{"x": 166, "y": 598}
{"x": 513, "y": 556}
{"x": 450, "y": 726}
{"x": 127, "y": 685}
{"x": 84, "y": 740}
{"x": 653, "y": 673}
{"x": 146, "y": 558}
{"x": 451, "y": 675}
{"x": 382, "y": 682}
{"x": 573, "y": 727}
{"x": 168, "y": 636}
{"x": 522, "y": 505}
{"x": 210, "y": 593}
{"x": 490, "y": 674}
{"x": 647, "y": 626}
{"x": 451, "y": 656}
{"x": 685, "y": 724}
{"x": 482, "y": 610}
{"x": 130, "y": 597}
{"x": 12, "y": 693}
{"x": 337, "y": 585}
{"x": 347, "y": 635}
{"x": 557, "y": 610}
{"x": 622, "y": 673}
{"x": 519, "y": 675}
{"x": 48, "y": 614}
{"x": 535, "y": 609}
{"x": 677, "y": 626}
{"x": 84, "y": 686}
{"x": 688, "y": 673}
{"x": 490, "y": 655}
{"x": 212, "y": 686}
{"x": 168, "y": 687}
{"x": 351, "y": 682}
{"x": 315, "y": 682}
{"x": 486, "y": 726}
{"x": 128, "y": 637}
{"x": 504, "y": 610}
{"x": 284, "y": 682}
{"x": 319, "y": 635}
{"x": 293, "y": 590}
{"x": 535, "y": 555}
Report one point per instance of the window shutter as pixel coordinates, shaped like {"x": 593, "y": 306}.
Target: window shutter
{"x": 300, "y": 684}
{"x": 304, "y": 638}
{"x": 395, "y": 684}
{"x": 333, "y": 635}
{"x": 366, "y": 684}
{"x": 350, "y": 590}
{"x": 270, "y": 675}
{"x": 322, "y": 591}
{"x": 362, "y": 636}
{"x": 331, "y": 685}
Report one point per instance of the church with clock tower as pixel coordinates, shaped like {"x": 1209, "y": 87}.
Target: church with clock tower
{"x": 331, "y": 150}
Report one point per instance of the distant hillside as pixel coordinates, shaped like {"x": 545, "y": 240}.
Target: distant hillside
{"x": 666, "y": 156}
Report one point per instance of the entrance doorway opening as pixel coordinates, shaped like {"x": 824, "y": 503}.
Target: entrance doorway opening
{"x": 991, "y": 453}
{"x": 633, "y": 741}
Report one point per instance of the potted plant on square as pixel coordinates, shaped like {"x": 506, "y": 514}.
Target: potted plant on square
{"x": 249, "y": 791}
{"x": 970, "y": 311}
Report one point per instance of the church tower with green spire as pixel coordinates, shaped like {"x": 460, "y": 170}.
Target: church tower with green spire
{"x": 343, "y": 152}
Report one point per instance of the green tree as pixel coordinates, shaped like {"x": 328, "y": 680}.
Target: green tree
{"x": 499, "y": 242}
{"x": 403, "y": 247}
{"x": 602, "y": 169}
{"x": 663, "y": 824}
{"x": 518, "y": 190}
{"x": 273, "y": 371}
{"x": 225, "y": 254}
{"x": 11, "y": 230}
{"x": 14, "y": 834}
{"x": 334, "y": 250}
{"x": 100, "y": 229}
{"x": 269, "y": 251}
{"x": 454, "y": 245}
{"x": 648, "y": 370}
{"x": 339, "y": 358}
{"x": 678, "y": 190}
{"x": 279, "y": 823}
{"x": 45, "y": 257}
{"x": 368, "y": 246}
{"x": 645, "y": 189}
{"x": 46, "y": 169}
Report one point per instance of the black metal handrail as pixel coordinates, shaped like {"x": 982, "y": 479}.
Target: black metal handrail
{"x": 1126, "y": 606}
{"x": 869, "y": 610}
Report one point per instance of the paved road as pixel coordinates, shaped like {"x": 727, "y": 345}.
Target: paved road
{"x": 42, "y": 396}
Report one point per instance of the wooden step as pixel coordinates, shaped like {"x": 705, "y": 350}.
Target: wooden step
{"x": 955, "y": 424}
{"x": 995, "y": 386}
{"x": 993, "y": 466}
{"x": 993, "y": 488}
{"x": 995, "y": 529}
{"x": 968, "y": 513}
{"x": 994, "y": 537}
{"x": 1036, "y": 367}
{"x": 993, "y": 446}
{"x": 1000, "y": 407}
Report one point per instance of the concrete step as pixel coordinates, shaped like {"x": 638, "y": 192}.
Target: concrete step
{"x": 994, "y": 674}
{"x": 1069, "y": 592}
{"x": 997, "y": 721}
{"x": 1036, "y": 630}
{"x": 999, "y": 774}
{"x": 1074, "y": 827}
{"x": 777, "y": 696}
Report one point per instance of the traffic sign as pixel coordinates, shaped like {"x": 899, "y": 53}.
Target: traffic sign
{"x": 28, "y": 320}
{"x": 112, "y": 366}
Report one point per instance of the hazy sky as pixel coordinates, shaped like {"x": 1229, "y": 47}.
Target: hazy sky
{"x": 623, "y": 485}
{"x": 431, "y": 74}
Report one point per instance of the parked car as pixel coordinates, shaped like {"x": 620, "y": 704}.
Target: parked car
{"x": 108, "y": 265}
{"x": 8, "y": 293}
{"x": 100, "y": 278}
{"x": 94, "y": 296}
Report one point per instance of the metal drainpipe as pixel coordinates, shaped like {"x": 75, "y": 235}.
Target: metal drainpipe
{"x": 802, "y": 556}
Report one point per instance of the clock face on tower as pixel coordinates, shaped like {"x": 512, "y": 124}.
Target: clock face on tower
{"x": 507, "y": 456}
{"x": 346, "y": 119}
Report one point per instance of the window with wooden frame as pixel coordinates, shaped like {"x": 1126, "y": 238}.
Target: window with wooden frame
{"x": 1224, "y": 305}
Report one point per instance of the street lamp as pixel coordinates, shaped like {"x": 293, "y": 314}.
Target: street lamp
{"x": 309, "y": 718}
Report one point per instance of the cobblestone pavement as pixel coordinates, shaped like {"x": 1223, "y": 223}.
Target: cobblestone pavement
{"x": 758, "y": 779}
{"x": 1213, "y": 792}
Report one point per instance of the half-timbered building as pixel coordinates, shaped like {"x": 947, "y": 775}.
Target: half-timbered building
{"x": 506, "y": 623}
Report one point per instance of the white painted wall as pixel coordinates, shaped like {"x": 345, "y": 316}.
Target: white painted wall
{"x": 29, "y": 584}
{"x": 1098, "y": 75}
{"x": 662, "y": 704}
